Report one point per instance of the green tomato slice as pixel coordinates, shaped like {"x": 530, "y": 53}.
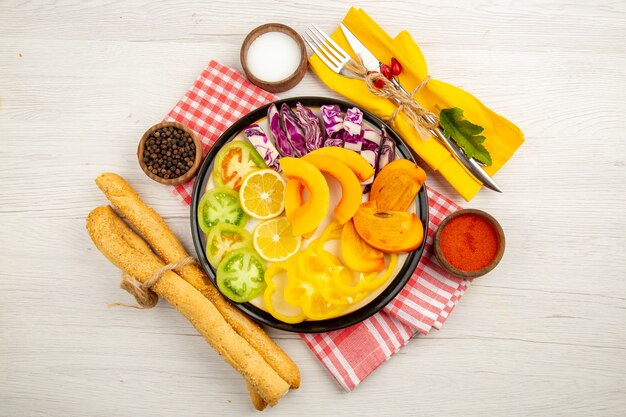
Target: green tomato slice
{"x": 225, "y": 238}
{"x": 220, "y": 205}
{"x": 241, "y": 275}
{"x": 233, "y": 162}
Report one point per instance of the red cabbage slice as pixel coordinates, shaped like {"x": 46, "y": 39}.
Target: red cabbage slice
{"x": 352, "y": 126}
{"x": 371, "y": 139}
{"x": 370, "y": 150}
{"x": 336, "y": 141}
{"x": 282, "y": 143}
{"x": 292, "y": 128}
{"x": 333, "y": 124}
{"x": 263, "y": 145}
{"x": 387, "y": 150}
{"x": 313, "y": 137}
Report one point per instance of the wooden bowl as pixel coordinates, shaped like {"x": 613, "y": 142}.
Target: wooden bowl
{"x": 459, "y": 272}
{"x": 286, "y": 83}
{"x": 187, "y": 175}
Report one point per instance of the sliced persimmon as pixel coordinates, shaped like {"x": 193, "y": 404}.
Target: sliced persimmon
{"x": 357, "y": 254}
{"x": 387, "y": 230}
{"x": 397, "y": 184}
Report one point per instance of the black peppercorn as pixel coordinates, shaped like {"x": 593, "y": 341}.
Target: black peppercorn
{"x": 169, "y": 152}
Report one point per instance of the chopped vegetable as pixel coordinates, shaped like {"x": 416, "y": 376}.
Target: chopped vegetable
{"x": 356, "y": 162}
{"x": 240, "y": 275}
{"x": 333, "y": 124}
{"x": 270, "y": 273}
{"x": 371, "y": 140}
{"x": 352, "y": 126}
{"x": 307, "y": 291}
{"x": 294, "y": 198}
{"x": 292, "y": 129}
{"x": 311, "y": 278}
{"x": 350, "y": 187}
{"x": 233, "y": 162}
{"x": 306, "y": 218}
{"x": 387, "y": 150}
{"x": 332, "y": 118}
{"x": 318, "y": 286}
{"x": 220, "y": 205}
{"x": 313, "y": 136}
{"x": 370, "y": 149}
{"x": 282, "y": 143}
{"x": 223, "y": 239}
{"x": 338, "y": 141}
{"x": 263, "y": 146}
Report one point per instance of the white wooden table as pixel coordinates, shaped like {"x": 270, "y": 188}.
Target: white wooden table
{"x": 544, "y": 334}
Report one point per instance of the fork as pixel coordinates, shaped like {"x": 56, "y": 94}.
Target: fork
{"x": 333, "y": 56}
{"x": 328, "y": 51}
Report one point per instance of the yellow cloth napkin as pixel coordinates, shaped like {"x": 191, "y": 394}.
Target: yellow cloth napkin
{"x": 502, "y": 137}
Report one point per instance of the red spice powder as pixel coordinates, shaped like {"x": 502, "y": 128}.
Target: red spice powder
{"x": 469, "y": 242}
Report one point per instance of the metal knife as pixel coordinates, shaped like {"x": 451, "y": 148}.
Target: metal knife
{"x": 472, "y": 166}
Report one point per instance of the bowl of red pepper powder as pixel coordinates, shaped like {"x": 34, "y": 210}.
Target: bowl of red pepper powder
{"x": 469, "y": 243}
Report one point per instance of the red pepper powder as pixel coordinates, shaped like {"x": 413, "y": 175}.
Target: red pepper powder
{"x": 469, "y": 242}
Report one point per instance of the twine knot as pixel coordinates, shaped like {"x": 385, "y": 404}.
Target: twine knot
{"x": 422, "y": 120}
{"x": 145, "y": 297}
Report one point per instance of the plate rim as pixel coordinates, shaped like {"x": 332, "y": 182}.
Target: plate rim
{"x": 317, "y": 326}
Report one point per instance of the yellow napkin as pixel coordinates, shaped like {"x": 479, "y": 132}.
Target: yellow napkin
{"x": 502, "y": 137}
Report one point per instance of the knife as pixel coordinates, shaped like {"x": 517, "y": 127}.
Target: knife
{"x": 470, "y": 165}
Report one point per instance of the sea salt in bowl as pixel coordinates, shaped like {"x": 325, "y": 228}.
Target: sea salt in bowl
{"x": 273, "y": 57}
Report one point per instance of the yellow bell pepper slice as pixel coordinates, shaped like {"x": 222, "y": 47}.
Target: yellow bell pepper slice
{"x": 373, "y": 281}
{"x": 301, "y": 290}
{"x": 270, "y": 273}
{"x": 319, "y": 284}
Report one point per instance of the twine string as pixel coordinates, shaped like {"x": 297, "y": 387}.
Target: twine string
{"x": 142, "y": 292}
{"x": 422, "y": 120}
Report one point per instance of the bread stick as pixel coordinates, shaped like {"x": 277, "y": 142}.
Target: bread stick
{"x": 157, "y": 233}
{"x": 137, "y": 242}
{"x": 121, "y": 246}
{"x": 258, "y": 402}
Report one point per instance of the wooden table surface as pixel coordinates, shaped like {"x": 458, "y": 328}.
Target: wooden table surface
{"x": 544, "y": 334}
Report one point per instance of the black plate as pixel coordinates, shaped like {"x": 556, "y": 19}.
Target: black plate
{"x": 321, "y": 325}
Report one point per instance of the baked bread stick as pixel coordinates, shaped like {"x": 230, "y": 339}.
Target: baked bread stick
{"x": 162, "y": 239}
{"x": 137, "y": 242}
{"x": 258, "y": 402}
{"x": 121, "y": 246}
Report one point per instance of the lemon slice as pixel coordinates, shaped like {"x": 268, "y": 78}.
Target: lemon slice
{"x": 274, "y": 240}
{"x": 262, "y": 194}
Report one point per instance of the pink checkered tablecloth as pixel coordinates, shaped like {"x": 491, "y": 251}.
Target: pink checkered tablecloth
{"x": 221, "y": 96}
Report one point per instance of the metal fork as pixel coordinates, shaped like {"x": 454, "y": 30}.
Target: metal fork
{"x": 328, "y": 51}
{"x": 333, "y": 56}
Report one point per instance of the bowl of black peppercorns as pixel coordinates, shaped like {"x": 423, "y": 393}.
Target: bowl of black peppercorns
{"x": 170, "y": 153}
